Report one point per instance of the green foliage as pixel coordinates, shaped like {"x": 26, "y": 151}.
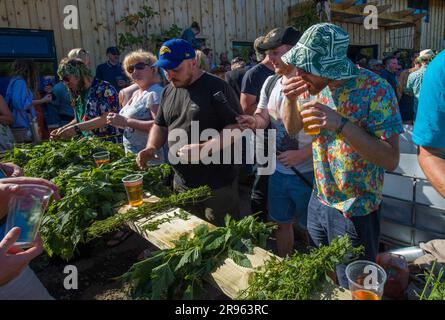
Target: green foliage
{"x": 299, "y": 276}
{"x": 88, "y": 193}
{"x": 178, "y": 273}
{"x": 435, "y": 284}
{"x": 307, "y": 16}
{"x": 137, "y": 37}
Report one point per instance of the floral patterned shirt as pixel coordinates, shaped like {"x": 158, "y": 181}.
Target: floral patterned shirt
{"x": 102, "y": 97}
{"x": 345, "y": 180}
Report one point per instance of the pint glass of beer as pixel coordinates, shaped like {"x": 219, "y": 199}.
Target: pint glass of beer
{"x": 301, "y": 101}
{"x": 101, "y": 158}
{"x": 134, "y": 187}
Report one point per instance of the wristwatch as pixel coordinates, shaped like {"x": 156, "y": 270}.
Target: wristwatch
{"x": 343, "y": 122}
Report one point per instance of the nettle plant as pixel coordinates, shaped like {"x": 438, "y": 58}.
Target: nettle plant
{"x": 137, "y": 36}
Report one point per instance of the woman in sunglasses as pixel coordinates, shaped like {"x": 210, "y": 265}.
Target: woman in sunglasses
{"x": 92, "y": 100}
{"x": 138, "y": 114}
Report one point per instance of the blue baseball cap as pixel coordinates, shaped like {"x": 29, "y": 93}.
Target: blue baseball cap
{"x": 173, "y": 53}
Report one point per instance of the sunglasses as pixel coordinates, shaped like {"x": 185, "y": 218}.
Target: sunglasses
{"x": 137, "y": 66}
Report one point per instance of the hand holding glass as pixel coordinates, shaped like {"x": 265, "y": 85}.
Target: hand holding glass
{"x": 26, "y": 212}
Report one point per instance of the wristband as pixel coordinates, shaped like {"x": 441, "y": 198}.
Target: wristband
{"x": 343, "y": 122}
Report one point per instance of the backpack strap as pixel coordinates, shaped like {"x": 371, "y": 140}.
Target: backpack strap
{"x": 271, "y": 84}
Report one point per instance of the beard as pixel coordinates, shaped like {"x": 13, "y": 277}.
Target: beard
{"x": 183, "y": 83}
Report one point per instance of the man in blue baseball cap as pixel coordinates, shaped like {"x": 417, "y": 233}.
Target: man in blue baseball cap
{"x": 186, "y": 102}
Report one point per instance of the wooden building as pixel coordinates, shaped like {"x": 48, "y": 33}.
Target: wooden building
{"x": 223, "y": 22}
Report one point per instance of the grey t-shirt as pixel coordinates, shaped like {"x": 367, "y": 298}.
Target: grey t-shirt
{"x": 284, "y": 141}
{"x": 139, "y": 107}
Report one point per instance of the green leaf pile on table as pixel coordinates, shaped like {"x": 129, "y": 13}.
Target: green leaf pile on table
{"x": 89, "y": 193}
{"x": 179, "y": 272}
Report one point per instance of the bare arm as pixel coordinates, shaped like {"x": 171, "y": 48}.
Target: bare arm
{"x": 157, "y": 138}
{"x": 248, "y": 103}
{"x": 291, "y": 117}
{"x": 384, "y": 153}
{"x": 5, "y": 114}
{"x": 432, "y": 162}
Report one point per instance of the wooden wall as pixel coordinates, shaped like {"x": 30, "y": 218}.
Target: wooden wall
{"x": 222, "y": 21}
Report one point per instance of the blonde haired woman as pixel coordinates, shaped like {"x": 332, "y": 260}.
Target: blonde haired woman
{"x": 203, "y": 62}
{"x": 138, "y": 114}
{"x": 82, "y": 54}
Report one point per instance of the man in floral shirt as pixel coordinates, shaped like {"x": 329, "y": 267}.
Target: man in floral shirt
{"x": 359, "y": 121}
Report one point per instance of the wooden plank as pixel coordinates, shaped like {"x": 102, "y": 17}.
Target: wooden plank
{"x": 103, "y": 30}
{"x": 279, "y": 13}
{"x": 261, "y": 17}
{"x": 219, "y": 30}
{"x": 54, "y": 17}
{"x": 240, "y": 13}
{"x": 66, "y": 35}
{"x": 251, "y": 19}
{"x": 270, "y": 15}
{"x": 120, "y": 11}
{"x": 207, "y": 22}
{"x": 230, "y": 278}
{"x": 12, "y": 19}
{"x": 3, "y": 14}
{"x": 154, "y": 26}
{"x": 44, "y": 14}
{"x": 167, "y": 14}
{"x": 180, "y": 9}
{"x": 194, "y": 11}
{"x": 30, "y": 7}
{"x": 89, "y": 30}
{"x": 230, "y": 26}
{"x": 111, "y": 25}
{"x": 21, "y": 12}
{"x": 77, "y": 34}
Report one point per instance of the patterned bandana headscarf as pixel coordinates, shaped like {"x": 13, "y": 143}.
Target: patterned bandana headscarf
{"x": 322, "y": 51}
{"x": 74, "y": 67}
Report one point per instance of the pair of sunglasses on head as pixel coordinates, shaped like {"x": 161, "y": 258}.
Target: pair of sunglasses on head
{"x": 138, "y": 66}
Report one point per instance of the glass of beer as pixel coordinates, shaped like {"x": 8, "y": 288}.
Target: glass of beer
{"x": 366, "y": 280}
{"x": 134, "y": 187}
{"x": 301, "y": 101}
{"x": 101, "y": 158}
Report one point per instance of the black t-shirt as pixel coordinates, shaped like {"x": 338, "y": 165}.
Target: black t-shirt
{"x": 180, "y": 106}
{"x": 235, "y": 79}
{"x": 254, "y": 79}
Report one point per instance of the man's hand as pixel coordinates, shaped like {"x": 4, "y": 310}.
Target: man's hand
{"x": 320, "y": 116}
{"x": 27, "y": 180}
{"x": 144, "y": 156}
{"x": 292, "y": 158}
{"x": 11, "y": 169}
{"x": 12, "y": 259}
{"x": 293, "y": 87}
{"x": 116, "y": 120}
{"x": 190, "y": 152}
{"x": 247, "y": 122}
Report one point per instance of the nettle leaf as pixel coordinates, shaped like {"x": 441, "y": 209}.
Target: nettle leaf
{"x": 217, "y": 243}
{"x": 239, "y": 258}
{"x": 185, "y": 259}
{"x": 188, "y": 293}
{"x": 162, "y": 277}
{"x": 201, "y": 230}
{"x": 244, "y": 246}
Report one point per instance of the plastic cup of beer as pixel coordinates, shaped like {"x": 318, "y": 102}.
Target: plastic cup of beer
{"x": 26, "y": 212}
{"x": 101, "y": 158}
{"x": 302, "y": 100}
{"x": 366, "y": 280}
{"x": 134, "y": 187}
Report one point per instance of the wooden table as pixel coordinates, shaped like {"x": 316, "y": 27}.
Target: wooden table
{"x": 230, "y": 278}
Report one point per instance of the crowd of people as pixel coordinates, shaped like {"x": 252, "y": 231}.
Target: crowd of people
{"x": 326, "y": 184}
